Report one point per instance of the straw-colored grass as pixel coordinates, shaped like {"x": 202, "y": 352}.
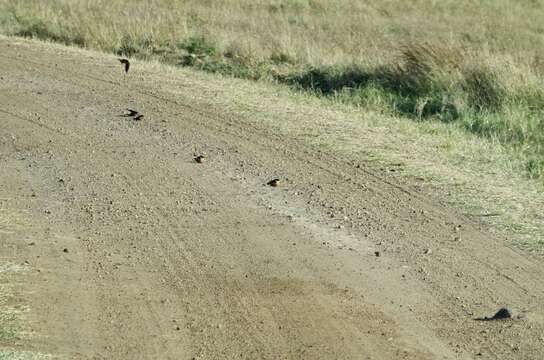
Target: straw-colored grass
{"x": 316, "y": 32}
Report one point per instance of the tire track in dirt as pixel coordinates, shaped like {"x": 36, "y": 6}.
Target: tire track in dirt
{"x": 147, "y": 316}
{"x": 132, "y": 184}
{"x": 249, "y": 154}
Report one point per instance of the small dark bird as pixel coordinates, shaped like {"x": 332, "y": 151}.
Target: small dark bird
{"x": 126, "y": 63}
{"x": 139, "y": 117}
{"x": 200, "y": 159}
{"x": 130, "y": 113}
{"x": 273, "y": 182}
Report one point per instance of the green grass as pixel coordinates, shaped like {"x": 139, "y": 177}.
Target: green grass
{"x": 22, "y": 355}
{"x": 14, "y": 331}
{"x": 8, "y": 329}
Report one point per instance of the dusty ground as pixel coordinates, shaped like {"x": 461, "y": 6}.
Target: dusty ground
{"x": 128, "y": 249}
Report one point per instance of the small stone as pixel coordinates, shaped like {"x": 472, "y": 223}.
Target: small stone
{"x": 427, "y": 251}
{"x": 377, "y": 253}
{"x": 65, "y": 250}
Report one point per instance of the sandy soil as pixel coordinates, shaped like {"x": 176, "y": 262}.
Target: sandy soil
{"x": 137, "y": 252}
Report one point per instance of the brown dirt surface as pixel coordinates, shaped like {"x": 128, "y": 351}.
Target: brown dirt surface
{"x": 134, "y": 251}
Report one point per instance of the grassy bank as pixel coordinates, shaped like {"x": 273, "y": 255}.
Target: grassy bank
{"x": 455, "y": 62}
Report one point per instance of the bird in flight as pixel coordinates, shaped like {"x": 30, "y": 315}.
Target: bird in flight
{"x": 200, "y": 159}
{"x": 126, "y": 63}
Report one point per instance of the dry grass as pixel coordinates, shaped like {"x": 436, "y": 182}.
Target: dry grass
{"x": 6, "y": 354}
{"x": 315, "y": 32}
{"x": 12, "y": 307}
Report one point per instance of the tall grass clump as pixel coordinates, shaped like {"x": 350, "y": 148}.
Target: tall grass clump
{"x": 36, "y": 28}
{"x": 198, "y": 48}
{"x": 424, "y": 81}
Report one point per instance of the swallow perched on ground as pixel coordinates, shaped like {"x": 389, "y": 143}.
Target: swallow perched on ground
{"x": 273, "y": 182}
{"x": 126, "y": 63}
{"x": 139, "y": 117}
{"x": 200, "y": 159}
{"x": 130, "y": 113}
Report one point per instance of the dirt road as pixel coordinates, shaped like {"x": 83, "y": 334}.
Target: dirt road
{"x": 134, "y": 251}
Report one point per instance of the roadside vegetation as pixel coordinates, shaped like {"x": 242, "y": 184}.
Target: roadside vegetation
{"x": 457, "y": 70}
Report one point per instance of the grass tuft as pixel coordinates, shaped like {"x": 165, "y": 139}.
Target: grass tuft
{"x": 133, "y": 46}
{"x": 199, "y": 49}
{"x": 39, "y": 29}
{"x": 483, "y": 88}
